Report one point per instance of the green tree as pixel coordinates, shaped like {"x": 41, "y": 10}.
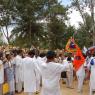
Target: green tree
{"x": 29, "y": 31}
{"x": 58, "y": 31}
{"x": 84, "y": 34}
{"x": 6, "y": 17}
{"x": 26, "y": 16}
{"x": 88, "y": 26}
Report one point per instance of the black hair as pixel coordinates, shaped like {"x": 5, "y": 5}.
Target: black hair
{"x": 69, "y": 59}
{"x": 19, "y": 51}
{"x": 50, "y": 54}
{"x": 42, "y": 55}
{"x": 14, "y": 52}
{"x": 31, "y": 53}
{"x": 1, "y": 55}
{"x": 7, "y": 55}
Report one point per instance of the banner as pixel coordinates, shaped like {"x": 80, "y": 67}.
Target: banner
{"x": 78, "y": 59}
{"x": 71, "y": 46}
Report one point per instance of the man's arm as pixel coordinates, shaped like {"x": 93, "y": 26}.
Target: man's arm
{"x": 60, "y": 68}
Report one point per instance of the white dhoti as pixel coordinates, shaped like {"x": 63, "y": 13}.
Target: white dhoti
{"x": 38, "y": 80}
{"x": 12, "y": 85}
{"x": 19, "y": 86}
{"x": 80, "y": 77}
{"x": 91, "y": 66}
{"x": 19, "y": 73}
{"x": 70, "y": 78}
{"x": 80, "y": 82}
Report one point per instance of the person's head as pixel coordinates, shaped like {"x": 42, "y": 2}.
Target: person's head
{"x": 94, "y": 54}
{"x": 69, "y": 59}
{"x": 19, "y": 52}
{"x": 50, "y": 55}
{"x": 31, "y": 53}
{"x": 1, "y": 55}
{"x": 60, "y": 55}
{"x": 42, "y": 55}
{"x": 24, "y": 54}
{"x": 8, "y": 56}
{"x": 88, "y": 53}
{"x": 14, "y": 52}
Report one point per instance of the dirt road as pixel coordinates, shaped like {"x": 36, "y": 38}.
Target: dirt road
{"x": 67, "y": 91}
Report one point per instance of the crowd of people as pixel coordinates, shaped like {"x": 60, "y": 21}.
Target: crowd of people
{"x": 40, "y": 72}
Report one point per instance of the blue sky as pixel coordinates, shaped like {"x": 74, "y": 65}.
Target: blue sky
{"x": 65, "y": 2}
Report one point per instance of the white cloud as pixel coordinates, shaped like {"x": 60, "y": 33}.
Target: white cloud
{"x": 75, "y": 16}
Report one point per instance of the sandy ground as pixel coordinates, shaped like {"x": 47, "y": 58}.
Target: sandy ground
{"x": 67, "y": 91}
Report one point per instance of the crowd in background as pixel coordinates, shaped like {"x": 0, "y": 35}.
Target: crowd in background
{"x": 25, "y": 70}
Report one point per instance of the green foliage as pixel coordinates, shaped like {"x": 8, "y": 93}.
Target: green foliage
{"x": 86, "y": 31}
{"x": 84, "y": 34}
{"x": 30, "y": 31}
{"x": 59, "y": 33}
{"x": 26, "y": 16}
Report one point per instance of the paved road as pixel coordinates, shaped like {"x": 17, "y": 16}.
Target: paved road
{"x": 67, "y": 91}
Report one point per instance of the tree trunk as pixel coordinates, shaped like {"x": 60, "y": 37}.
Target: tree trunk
{"x": 93, "y": 23}
{"x": 7, "y": 35}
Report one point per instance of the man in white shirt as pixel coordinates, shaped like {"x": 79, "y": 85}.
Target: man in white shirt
{"x": 18, "y": 71}
{"x": 29, "y": 73}
{"x": 91, "y": 67}
{"x": 1, "y": 74}
{"x": 51, "y": 73}
{"x": 38, "y": 61}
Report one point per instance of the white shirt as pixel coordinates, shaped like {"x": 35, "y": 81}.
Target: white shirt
{"x": 92, "y": 75}
{"x": 29, "y": 75}
{"x": 18, "y": 69}
{"x": 1, "y": 72}
{"x": 51, "y": 73}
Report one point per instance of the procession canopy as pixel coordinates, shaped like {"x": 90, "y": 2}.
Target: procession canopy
{"x": 71, "y": 46}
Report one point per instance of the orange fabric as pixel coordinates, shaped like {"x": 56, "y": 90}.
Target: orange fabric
{"x": 78, "y": 59}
